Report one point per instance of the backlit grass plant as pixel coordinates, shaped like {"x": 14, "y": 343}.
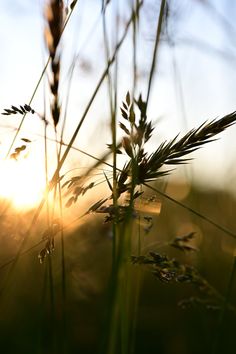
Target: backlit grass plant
{"x": 138, "y": 171}
{"x": 126, "y": 185}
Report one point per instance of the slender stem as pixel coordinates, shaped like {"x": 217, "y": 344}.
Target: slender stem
{"x": 225, "y": 306}
{"x": 63, "y": 264}
{"x": 37, "y": 86}
{"x": 113, "y": 125}
{"x": 62, "y": 160}
{"x": 157, "y": 40}
{"x": 52, "y": 303}
{"x": 100, "y": 82}
{"x": 29, "y": 103}
{"x": 134, "y": 38}
{"x": 42, "y": 310}
{"x": 213, "y": 223}
{"x": 191, "y": 210}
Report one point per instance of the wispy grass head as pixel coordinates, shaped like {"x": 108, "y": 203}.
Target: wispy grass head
{"x": 53, "y": 30}
{"x": 142, "y": 167}
{"x": 173, "y": 152}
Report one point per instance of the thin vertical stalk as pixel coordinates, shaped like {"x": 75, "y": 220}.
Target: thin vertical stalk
{"x": 113, "y": 122}
{"x": 120, "y": 279}
{"x": 154, "y": 56}
{"x": 84, "y": 115}
{"x": 63, "y": 264}
{"x": 113, "y": 321}
{"x": 134, "y": 39}
{"x": 225, "y": 306}
{"x": 65, "y": 154}
{"x": 179, "y": 88}
{"x": 41, "y": 311}
{"x": 52, "y": 303}
{"x": 50, "y": 270}
{"x": 37, "y": 85}
{"x": 65, "y": 113}
{"x": 114, "y": 139}
{"x": 136, "y": 279}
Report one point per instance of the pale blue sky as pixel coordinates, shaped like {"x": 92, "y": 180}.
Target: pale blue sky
{"x": 194, "y": 82}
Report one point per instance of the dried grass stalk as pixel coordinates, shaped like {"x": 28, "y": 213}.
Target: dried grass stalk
{"x": 54, "y": 17}
{"x": 174, "y": 151}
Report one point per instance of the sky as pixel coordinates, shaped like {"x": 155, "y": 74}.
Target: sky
{"x": 194, "y": 79}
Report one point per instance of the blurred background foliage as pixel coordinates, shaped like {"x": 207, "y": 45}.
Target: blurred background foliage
{"x": 28, "y": 325}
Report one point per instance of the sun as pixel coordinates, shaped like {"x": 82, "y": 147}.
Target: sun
{"x": 22, "y": 182}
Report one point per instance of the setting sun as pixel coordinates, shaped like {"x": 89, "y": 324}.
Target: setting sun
{"x": 21, "y": 182}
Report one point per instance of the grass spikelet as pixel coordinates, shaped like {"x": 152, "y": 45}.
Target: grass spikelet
{"x": 171, "y": 152}
{"x": 54, "y": 17}
{"x": 53, "y": 31}
{"x": 174, "y": 151}
{"x": 15, "y": 110}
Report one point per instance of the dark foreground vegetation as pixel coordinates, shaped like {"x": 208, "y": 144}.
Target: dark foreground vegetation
{"x": 171, "y": 317}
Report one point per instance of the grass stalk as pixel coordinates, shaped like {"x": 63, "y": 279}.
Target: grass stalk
{"x": 225, "y": 306}
{"x": 41, "y": 311}
{"x": 63, "y": 158}
{"x": 99, "y": 84}
{"x": 154, "y": 56}
{"x": 112, "y": 120}
{"x": 193, "y": 211}
{"x": 134, "y": 39}
{"x": 63, "y": 265}
{"x": 38, "y": 84}
{"x": 52, "y": 304}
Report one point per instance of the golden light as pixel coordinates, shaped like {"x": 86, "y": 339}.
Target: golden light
{"x": 149, "y": 206}
{"x": 22, "y": 182}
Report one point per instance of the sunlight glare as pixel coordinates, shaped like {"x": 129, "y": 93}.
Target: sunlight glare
{"x": 22, "y": 182}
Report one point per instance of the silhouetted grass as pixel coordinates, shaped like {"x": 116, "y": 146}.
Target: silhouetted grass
{"x": 118, "y": 277}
